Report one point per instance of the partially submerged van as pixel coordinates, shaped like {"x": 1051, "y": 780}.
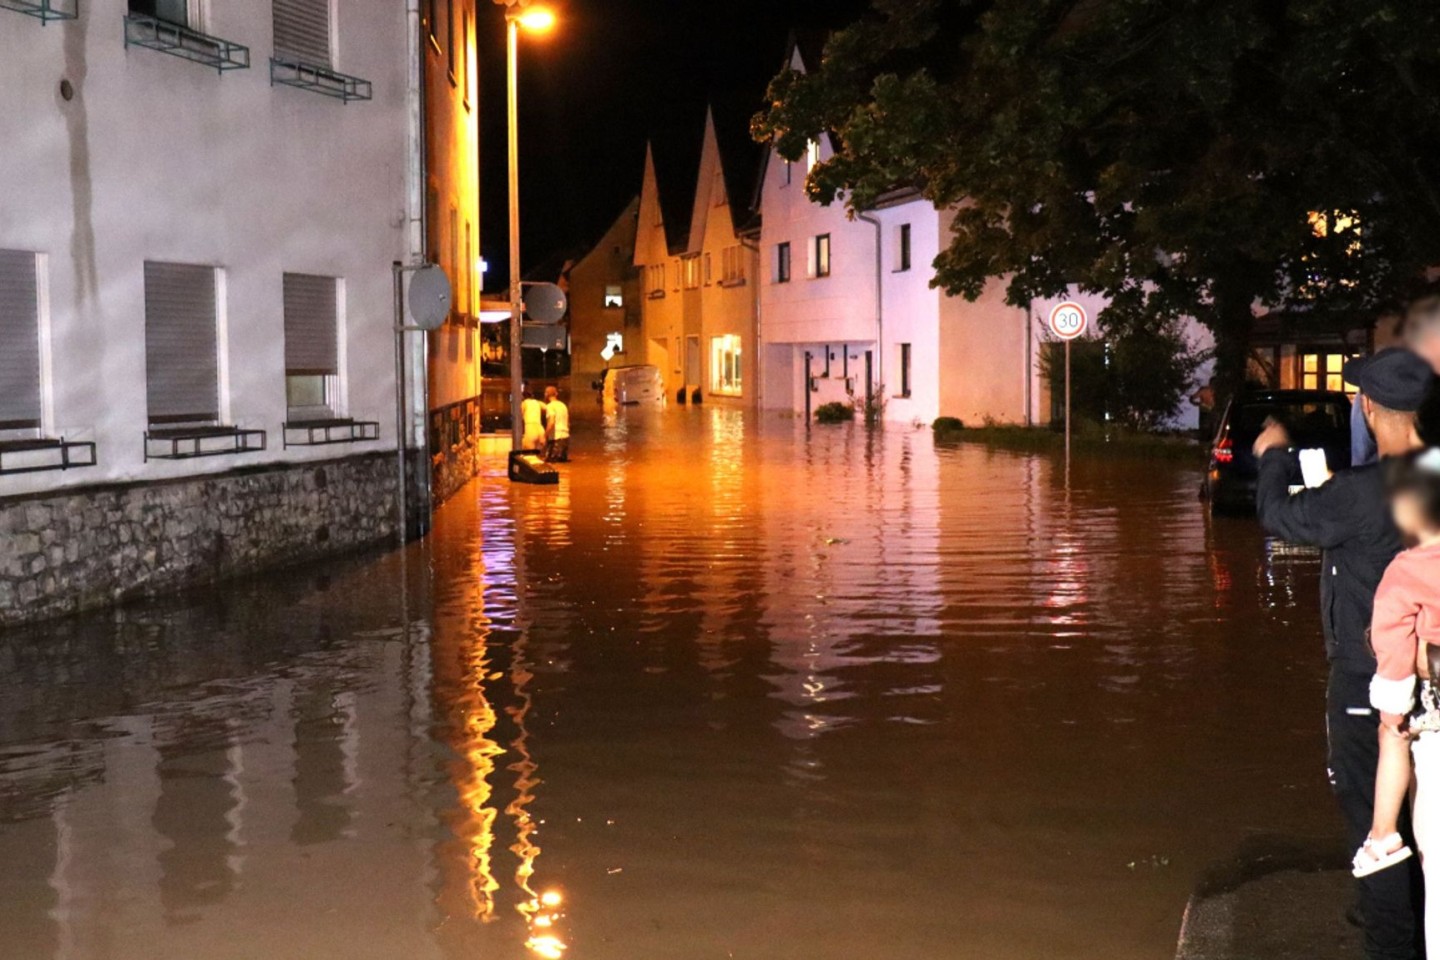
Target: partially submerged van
{"x": 640, "y": 383}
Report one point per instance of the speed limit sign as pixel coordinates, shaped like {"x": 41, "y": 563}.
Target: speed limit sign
{"x": 1068, "y": 320}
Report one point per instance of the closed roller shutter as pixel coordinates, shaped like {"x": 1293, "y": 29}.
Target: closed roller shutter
{"x": 310, "y": 346}
{"x": 181, "y": 363}
{"x": 19, "y": 341}
{"x": 302, "y": 30}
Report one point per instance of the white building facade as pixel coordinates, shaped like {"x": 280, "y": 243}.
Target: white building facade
{"x": 847, "y": 312}
{"x": 200, "y": 208}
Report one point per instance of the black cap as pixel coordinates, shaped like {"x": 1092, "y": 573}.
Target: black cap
{"x": 1395, "y": 378}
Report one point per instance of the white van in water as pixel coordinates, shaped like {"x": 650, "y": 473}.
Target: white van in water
{"x": 640, "y": 383}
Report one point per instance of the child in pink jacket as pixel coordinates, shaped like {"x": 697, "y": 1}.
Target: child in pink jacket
{"x": 1405, "y": 634}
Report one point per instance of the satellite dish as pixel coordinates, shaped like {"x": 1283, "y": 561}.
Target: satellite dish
{"x": 545, "y": 303}
{"x": 430, "y": 297}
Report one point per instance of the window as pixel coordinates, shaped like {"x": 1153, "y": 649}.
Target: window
{"x": 902, "y": 247}
{"x": 717, "y": 189}
{"x": 677, "y": 278}
{"x": 468, "y": 305}
{"x": 1323, "y": 371}
{"x": 725, "y": 365}
{"x": 312, "y": 352}
{"x": 656, "y": 273}
{"x": 171, "y": 11}
{"x": 692, "y": 272}
{"x": 782, "y": 263}
{"x": 786, "y": 173}
{"x": 302, "y": 31}
{"x": 20, "y": 407}
{"x": 465, "y": 57}
{"x": 450, "y": 37}
{"x": 454, "y": 260}
{"x": 182, "y": 360}
{"x": 820, "y": 256}
{"x": 709, "y": 273}
{"x": 733, "y": 263}
{"x": 812, "y": 155}
{"x": 904, "y": 369}
{"x": 614, "y": 296}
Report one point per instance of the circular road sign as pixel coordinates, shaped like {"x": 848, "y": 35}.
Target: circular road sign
{"x": 1068, "y": 320}
{"x": 430, "y": 297}
{"x": 545, "y": 303}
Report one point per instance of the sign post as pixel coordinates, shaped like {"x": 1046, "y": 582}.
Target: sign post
{"x": 1068, "y": 321}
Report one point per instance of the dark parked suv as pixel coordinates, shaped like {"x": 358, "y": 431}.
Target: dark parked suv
{"x": 1315, "y": 418}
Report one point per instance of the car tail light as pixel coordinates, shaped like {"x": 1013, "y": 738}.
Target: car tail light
{"x": 1224, "y": 451}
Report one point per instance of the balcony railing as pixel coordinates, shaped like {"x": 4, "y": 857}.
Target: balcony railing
{"x": 45, "y": 453}
{"x": 180, "y": 41}
{"x": 318, "y": 79}
{"x": 44, "y": 10}
{"x": 202, "y": 440}
{"x": 320, "y": 433}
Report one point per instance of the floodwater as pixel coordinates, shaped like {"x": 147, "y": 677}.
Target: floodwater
{"x": 728, "y": 691}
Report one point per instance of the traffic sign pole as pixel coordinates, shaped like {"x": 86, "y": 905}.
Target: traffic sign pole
{"x": 1068, "y": 321}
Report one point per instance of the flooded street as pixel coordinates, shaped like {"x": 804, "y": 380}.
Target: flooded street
{"x": 725, "y": 692}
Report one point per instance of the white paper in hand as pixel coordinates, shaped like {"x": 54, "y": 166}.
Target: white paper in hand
{"x": 1313, "y": 467}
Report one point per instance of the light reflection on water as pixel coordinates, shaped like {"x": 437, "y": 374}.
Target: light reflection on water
{"x": 728, "y": 690}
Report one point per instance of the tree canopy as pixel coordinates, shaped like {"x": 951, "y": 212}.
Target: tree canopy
{"x": 1182, "y": 157}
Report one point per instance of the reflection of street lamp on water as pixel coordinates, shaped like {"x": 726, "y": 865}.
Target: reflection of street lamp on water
{"x": 535, "y": 19}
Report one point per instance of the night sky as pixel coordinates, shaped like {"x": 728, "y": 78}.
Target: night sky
{"x": 613, "y": 74}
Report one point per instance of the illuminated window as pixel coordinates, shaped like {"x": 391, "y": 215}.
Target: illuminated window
{"x": 691, "y": 266}
{"x": 782, "y": 263}
{"x": 1324, "y": 371}
{"x": 725, "y": 365}
{"x": 614, "y": 296}
{"x": 812, "y": 155}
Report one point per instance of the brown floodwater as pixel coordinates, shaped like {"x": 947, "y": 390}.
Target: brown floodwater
{"x": 729, "y": 691}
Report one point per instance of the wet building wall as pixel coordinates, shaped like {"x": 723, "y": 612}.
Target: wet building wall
{"x": 452, "y": 233}
{"x": 85, "y": 548}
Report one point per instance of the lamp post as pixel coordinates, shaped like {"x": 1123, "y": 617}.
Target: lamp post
{"x": 518, "y": 13}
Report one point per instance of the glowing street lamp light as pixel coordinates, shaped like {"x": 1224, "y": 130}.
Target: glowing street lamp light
{"x": 534, "y": 19}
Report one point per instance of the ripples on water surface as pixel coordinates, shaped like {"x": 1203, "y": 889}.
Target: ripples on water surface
{"x": 725, "y": 692}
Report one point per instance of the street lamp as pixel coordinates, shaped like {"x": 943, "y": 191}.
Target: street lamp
{"x": 536, "y": 19}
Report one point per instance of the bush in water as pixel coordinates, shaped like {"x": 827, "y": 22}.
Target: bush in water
{"x": 834, "y": 412}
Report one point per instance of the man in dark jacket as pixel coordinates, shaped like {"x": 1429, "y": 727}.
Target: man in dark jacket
{"x": 1349, "y": 518}
{"x": 1421, "y": 329}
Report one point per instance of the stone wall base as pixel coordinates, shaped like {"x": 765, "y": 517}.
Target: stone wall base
{"x": 78, "y": 549}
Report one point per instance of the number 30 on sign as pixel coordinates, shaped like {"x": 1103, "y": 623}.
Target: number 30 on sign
{"x": 1068, "y": 320}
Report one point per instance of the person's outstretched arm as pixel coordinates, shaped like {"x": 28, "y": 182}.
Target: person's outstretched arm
{"x": 1323, "y": 517}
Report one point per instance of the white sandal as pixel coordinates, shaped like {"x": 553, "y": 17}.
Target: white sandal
{"x": 1375, "y": 856}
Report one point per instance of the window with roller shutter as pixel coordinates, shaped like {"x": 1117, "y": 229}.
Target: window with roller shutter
{"x": 312, "y": 353}
{"x": 182, "y": 368}
{"x": 302, "y": 30}
{"x": 19, "y": 341}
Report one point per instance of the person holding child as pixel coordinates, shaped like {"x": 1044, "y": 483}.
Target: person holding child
{"x": 1349, "y": 517}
